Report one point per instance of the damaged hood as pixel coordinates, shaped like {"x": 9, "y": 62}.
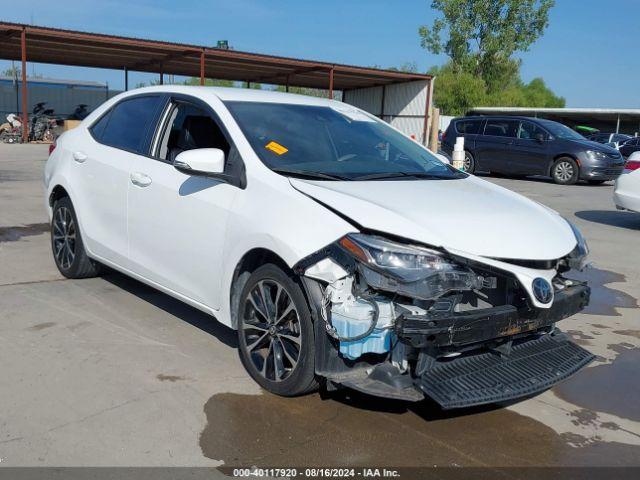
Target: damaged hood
{"x": 469, "y": 215}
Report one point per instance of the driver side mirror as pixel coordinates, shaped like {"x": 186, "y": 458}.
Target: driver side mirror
{"x": 200, "y": 161}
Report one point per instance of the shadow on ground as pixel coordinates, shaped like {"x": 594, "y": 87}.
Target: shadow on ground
{"x": 181, "y": 310}
{"x": 614, "y": 218}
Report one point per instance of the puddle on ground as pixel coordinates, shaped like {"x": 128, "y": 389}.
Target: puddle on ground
{"x": 355, "y": 430}
{"x": 604, "y": 300}
{"x": 12, "y": 234}
{"x": 613, "y": 388}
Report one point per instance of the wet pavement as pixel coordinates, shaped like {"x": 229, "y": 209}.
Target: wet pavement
{"x": 245, "y": 430}
{"x": 605, "y": 299}
{"x": 108, "y": 371}
{"x": 15, "y": 233}
{"x": 613, "y": 388}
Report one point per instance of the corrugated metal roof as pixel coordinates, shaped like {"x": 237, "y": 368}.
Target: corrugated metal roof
{"x": 69, "y": 47}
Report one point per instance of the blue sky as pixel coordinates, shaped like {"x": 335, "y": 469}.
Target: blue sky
{"x": 587, "y": 54}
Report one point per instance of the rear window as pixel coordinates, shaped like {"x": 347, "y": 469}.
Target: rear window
{"x": 468, "y": 127}
{"x": 128, "y": 124}
{"x": 97, "y": 129}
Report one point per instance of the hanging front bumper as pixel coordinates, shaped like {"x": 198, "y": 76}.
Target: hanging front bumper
{"x": 530, "y": 368}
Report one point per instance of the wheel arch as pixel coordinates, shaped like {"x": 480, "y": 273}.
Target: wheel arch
{"x": 249, "y": 262}
{"x": 57, "y": 193}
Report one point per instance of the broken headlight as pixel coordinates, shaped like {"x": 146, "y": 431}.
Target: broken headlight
{"x": 409, "y": 270}
{"x": 577, "y": 259}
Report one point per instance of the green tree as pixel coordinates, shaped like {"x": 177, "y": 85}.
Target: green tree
{"x": 455, "y": 92}
{"x": 481, "y": 36}
{"x": 408, "y": 67}
{"x": 209, "y": 82}
{"x": 311, "y": 92}
{"x": 537, "y": 94}
{"x": 13, "y": 72}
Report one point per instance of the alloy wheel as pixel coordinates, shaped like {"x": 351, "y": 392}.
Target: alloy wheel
{"x": 564, "y": 171}
{"x": 467, "y": 162}
{"x": 271, "y": 330}
{"x": 64, "y": 238}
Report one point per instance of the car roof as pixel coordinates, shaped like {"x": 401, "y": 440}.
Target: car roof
{"x": 235, "y": 94}
{"x": 503, "y": 117}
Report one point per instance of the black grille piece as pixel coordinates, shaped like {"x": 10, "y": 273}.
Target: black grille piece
{"x": 530, "y": 368}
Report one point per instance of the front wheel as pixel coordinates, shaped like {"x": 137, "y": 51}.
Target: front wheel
{"x": 565, "y": 171}
{"x": 275, "y": 333}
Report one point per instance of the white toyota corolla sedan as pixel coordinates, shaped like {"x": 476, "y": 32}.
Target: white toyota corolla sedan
{"x": 343, "y": 252}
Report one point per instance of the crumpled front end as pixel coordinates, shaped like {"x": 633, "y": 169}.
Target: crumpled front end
{"x": 405, "y": 321}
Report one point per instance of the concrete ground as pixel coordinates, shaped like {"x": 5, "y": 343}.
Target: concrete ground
{"x": 108, "y": 372}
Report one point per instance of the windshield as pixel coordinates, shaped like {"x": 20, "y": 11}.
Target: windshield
{"x": 333, "y": 143}
{"x": 559, "y": 130}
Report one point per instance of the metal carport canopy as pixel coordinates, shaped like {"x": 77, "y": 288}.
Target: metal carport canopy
{"x": 67, "y": 47}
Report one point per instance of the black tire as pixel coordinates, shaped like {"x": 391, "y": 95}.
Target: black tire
{"x": 268, "y": 338}
{"x": 595, "y": 182}
{"x": 67, "y": 247}
{"x": 469, "y": 162}
{"x": 565, "y": 171}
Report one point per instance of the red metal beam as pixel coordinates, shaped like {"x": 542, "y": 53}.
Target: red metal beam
{"x": 425, "y": 140}
{"x": 25, "y": 115}
{"x": 202, "y": 67}
{"x": 331, "y": 83}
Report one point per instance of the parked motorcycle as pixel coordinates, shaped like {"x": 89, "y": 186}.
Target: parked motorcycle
{"x": 80, "y": 113}
{"x": 11, "y": 131}
{"x": 42, "y": 123}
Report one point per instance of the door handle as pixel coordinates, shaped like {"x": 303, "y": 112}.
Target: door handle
{"x": 79, "y": 156}
{"x": 140, "y": 179}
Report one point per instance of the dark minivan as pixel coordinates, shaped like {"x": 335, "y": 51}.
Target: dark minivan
{"x": 532, "y": 146}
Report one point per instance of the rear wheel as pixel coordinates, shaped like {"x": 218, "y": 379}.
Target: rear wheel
{"x": 275, "y": 333}
{"x": 565, "y": 171}
{"x": 469, "y": 162}
{"x": 66, "y": 243}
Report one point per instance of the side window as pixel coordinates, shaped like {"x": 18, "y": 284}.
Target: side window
{"x": 529, "y": 131}
{"x": 468, "y": 127}
{"x": 190, "y": 127}
{"x": 501, "y": 128}
{"x": 129, "y": 123}
{"x": 97, "y": 129}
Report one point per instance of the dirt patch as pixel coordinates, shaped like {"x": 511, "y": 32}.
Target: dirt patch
{"x": 170, "y": 378}
{"x": 628, "y": 333}
{"x": 613, "y": 388}
{"x": 41, "y": 326}
{"x": 578, "y": 335}
{"x": 13, "y": 234}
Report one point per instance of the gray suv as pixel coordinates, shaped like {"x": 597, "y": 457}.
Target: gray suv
{"x": 523, "y": 146}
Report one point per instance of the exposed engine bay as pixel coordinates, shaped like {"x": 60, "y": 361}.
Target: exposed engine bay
{"x": 405, "y": 321}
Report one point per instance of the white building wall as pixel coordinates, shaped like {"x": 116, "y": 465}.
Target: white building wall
{"x": 404, "y": 105}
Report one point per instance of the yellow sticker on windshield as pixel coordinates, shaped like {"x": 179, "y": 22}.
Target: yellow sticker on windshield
{"x": 276, "y": 148}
